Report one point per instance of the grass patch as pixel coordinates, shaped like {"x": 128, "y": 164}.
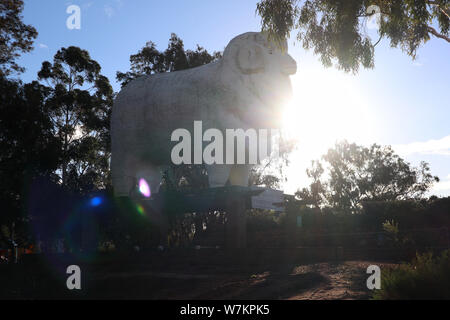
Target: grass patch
{"x": 426, "y": 277}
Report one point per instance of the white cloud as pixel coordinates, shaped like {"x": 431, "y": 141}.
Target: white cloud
{"x": 442, "y": 188}
{"x": 43, "y": 46}
{"x": 436, "y": 147}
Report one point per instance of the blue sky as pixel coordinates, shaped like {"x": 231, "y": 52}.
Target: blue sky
{"x": 402, "y": 102}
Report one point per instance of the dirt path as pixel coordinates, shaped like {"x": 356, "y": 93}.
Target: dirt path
{"x": 321, "y": 281}
{"x": 344, "y": 281}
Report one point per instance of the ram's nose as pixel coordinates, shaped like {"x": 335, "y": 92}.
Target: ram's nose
{"x": 289, "y": 66}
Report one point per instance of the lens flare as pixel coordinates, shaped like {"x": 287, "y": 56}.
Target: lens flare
{"x": 96, "y": 201}
{"x": 144, "y": 188}
{"x": 140, "y": 209}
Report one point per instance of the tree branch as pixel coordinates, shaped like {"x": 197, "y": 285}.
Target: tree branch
{"x": 437, "y": 34}
{"x": 377, "y": 41}
{"x": 438, "y": 4}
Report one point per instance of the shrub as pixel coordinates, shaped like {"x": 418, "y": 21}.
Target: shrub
{"x": 426, "y": 277}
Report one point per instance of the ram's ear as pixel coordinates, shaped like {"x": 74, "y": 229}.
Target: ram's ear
{"x": 250, "y": 59}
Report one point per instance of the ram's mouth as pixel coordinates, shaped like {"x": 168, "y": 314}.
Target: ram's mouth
{"x": 289, "y": 69}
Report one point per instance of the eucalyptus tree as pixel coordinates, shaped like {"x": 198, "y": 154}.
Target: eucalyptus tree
{"x": 337, "y": 30}
{"x": 358, "y": 173}
{"x": 16, "y": 37}
{"x": 79, "y": 102}
{"x": 28, "y": 151}
{"x": 149, "y": 60}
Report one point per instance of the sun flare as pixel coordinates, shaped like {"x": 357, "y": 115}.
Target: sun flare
{"x": 326, "y": 107}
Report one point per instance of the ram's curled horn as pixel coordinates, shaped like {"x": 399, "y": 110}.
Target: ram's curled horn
{"x": 250, "y": 59}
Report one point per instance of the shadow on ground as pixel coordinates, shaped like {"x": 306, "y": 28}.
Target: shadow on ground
{"x": 189, "y": 276}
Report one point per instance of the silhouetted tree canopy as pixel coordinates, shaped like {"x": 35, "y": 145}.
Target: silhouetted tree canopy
{"x": 258, "y": 178}
{"x": 315, "y": 194}
{"x": 336, "y": 29}
{"x": 15, "y": 36}
{"x": 28, "y": 148}
{"x": 79, "y": 103}
{"x": 150, "y": 60}
{"x": 358, "y": 173}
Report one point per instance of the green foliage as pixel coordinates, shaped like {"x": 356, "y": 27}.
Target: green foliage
{"x": 358, "y": 174}
{"x": 424, "y": 278}
{"x": 258, "y": 178}
{"x": 125, "y": 227}
{"x": 391, "y": 229}
{"x": 315, "y": 194}
{"x": 28, "y": 148}
{"x": 185, "y": 178}
{"x": 390, "y": 226}
{"x": 262, "y": 220}
{"x": 150, "y": 60}
{"x": 278, "y": 17}
{"x": 263, "y": 228}
{"x": 79, "y": 105}
{"x": 423, "y": 224}
{"x": 410, "y": 214}
{"x": 15, "y": 36}
{"x": 336, "y": 29}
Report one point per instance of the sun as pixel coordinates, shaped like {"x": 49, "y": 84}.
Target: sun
{"x": 326, "y": 107}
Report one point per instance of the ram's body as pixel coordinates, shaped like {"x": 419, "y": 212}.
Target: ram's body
{"x": 148, "y": 110}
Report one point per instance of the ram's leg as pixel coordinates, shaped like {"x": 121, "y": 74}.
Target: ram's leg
{"x": 152, "y": 176}
{"x": 240, "y": 174}
{"x": 130, "y": 174}
{"x": 218, "y": 174}
{"x": 120, "y": 184}
{"x": 122, "y": 169}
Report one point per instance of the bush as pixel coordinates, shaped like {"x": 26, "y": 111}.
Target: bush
{"x": 424, "y": 278}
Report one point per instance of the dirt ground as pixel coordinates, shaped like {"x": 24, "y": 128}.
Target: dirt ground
{"x": 319, "y": 281}
{"x": 188, "y": 277}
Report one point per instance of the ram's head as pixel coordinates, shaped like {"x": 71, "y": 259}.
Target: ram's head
{"x": 264, "y": 68}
